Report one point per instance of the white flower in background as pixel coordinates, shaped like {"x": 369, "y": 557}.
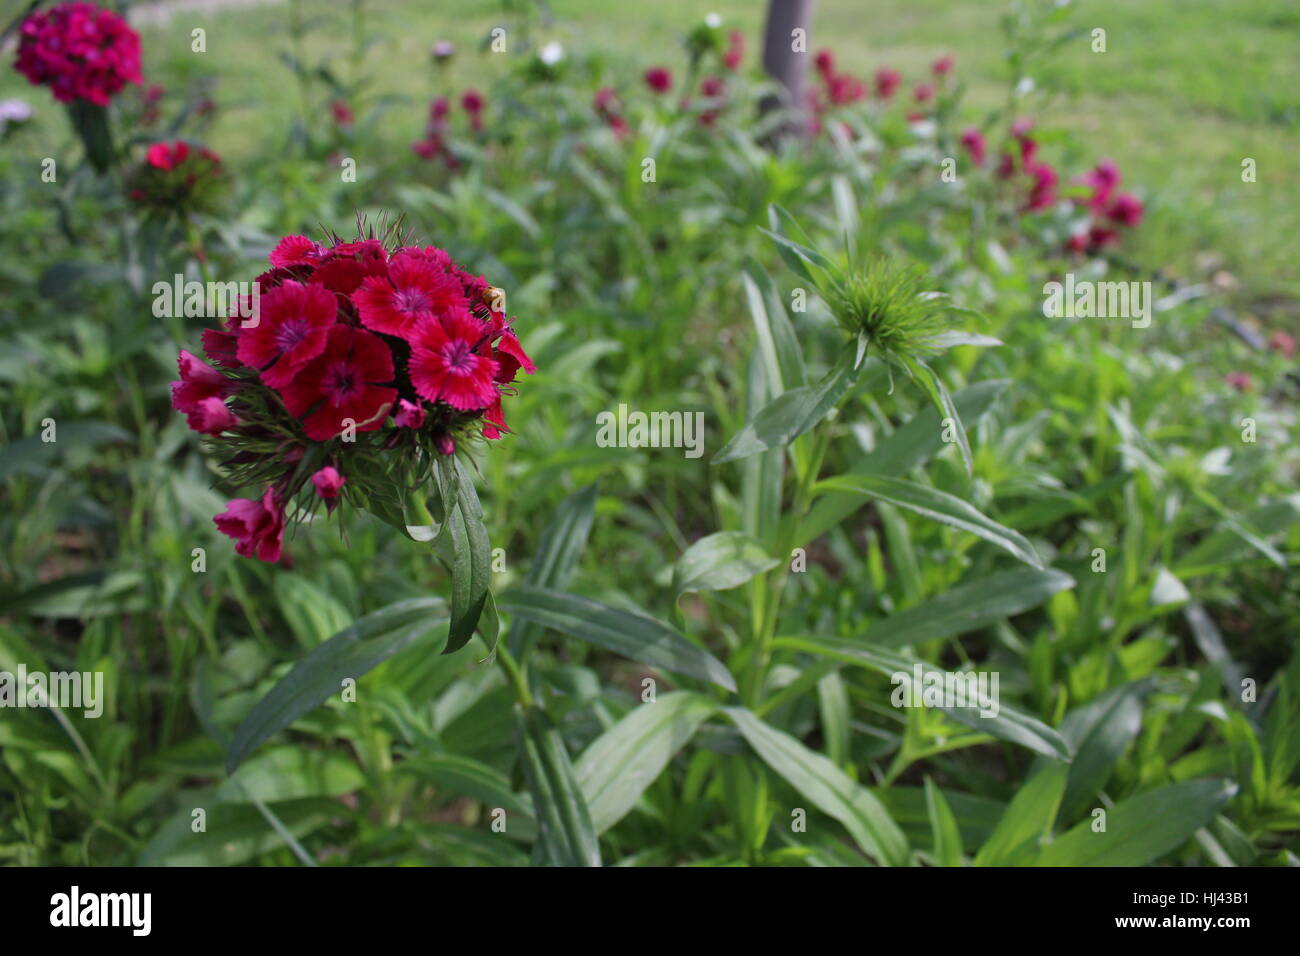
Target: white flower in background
{"x": 14, "y": 111}
{"x": 551, "y": 54}
{"x": 713, "y": 21}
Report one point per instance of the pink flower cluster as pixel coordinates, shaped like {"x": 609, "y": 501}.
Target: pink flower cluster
{"x": 80, "y": 51}
{"x": 348, "y": 339}
{"x": 1111, "y": 210}
{"x": 608, "y": 109}
{"x": 434, "y": 143}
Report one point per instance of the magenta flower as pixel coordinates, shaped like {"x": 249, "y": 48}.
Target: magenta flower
{"x": 413, "y": 291}
{"x": 973, "y": 141}
{"x": 256, "y": 526}
{"x": 328, "y": 482}
{"x": 447, "y": 366}
{"x": 659, "y": 79}
{"x": 291, "y": 330}
{"x": 347, "y": 385}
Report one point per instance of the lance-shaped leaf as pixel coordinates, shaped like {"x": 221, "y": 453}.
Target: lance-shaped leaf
{"x": 465, "y": 549}
{"x": 561, "y": 544}
{"x": 937, "y": 506}
{"x": 1142, "y": 828}
{"x": 720, "y": 561}
{"x": 969, "y": 606}
{"x": 319, "y": 675}
{"x": 792, "y": 413}
{"x": 565, "y": 833}
{"x": 1007, "y": 724}
{"x": 634, "y": 636}
{"x": 828, "y": 788}
{"x": 617, "y": 766}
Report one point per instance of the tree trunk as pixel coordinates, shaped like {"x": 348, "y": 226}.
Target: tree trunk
{"x": 786, "y": 60}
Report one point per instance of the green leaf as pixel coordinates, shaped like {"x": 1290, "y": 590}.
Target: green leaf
{"x": 1026, "y": 820}
{"x": 565, "y": 833}
{"x": 969, "y": 606}
{"x": 561, "y": 544}
{"x": 943, "y": 403}
{"x": 777, "y": 344}
{"x": 1098, "y": 734}
{"x": 900, "y": 452}
{"x": 937, "y": 506}
{"x": 633, "y": 636}
{"x": 291, "y": 773}
{"x": 1009, "y": 723}
{"x": 791, "y": 414}
{"x": 720, "y": 561}
{"x": 621, "y": 763}
{"x": 468, "y": 554}
{"x": 319, "y": 675}
{"x": 944, "y": 832}
{"x": 473, "y": 778}
{"x": 1142, "y": 828}
{"x": 827, "y": 787}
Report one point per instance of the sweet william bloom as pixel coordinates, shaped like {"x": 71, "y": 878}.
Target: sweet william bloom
{"x": 924, "y": 92}
{"x": 825, "y": 61}
{"x": 659, "y": 79}
{"x": 409, "y": 414}
{"x": 943, "y": 66}
{"x": 198, "y": 394}
{"x": 735, "y": 50}
{"x": 446, "y": 366}
{"x": 346, "y": 384}
{"x": 293, "y": 324}
{"x": 443, "y": 51}
{"x": 167, "y": 156}
{"x": 256, "y": 526}
{"x": 328, "y": 482}
{"x": 342, "y": 114}
{"x": 80, "y": 51}
{"x": 973, "y": 142}
{"x": 472, "y": 102}
{"x": 1282, "y": 342}
{"x": 887, "y": 81}
{"x": 1238, "y": 380}
{"x": 1021, "y": 128}
{"x": 1043, "y": 192}
{"x": 211, "y": 416}
{"x": 413, "y": 291}
{"x": 1077, "y": 244}
{"x": 295, "y": 251}
{"x": 1126, "y": 210}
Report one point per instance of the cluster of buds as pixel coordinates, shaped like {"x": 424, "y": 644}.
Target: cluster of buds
{"x": 608, "y": 109}
{"x": 178, "y": 178}
{"x": 362, "y": 365}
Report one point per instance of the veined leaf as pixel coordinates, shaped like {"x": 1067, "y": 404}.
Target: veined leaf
{"x": 1026, "y": 820}
{"x": 319, "y": 675}
{"x": 969, "y": 606}
{"x": 1008, "y": 723}
{"x": 720, "y": 561}
{"x": 467, "y": 552}
{"x": 828, "y": 787}
{"x": 633, "y": 636}
{"x": 561, "y": 544}
{"x": 565, "y": 833}
{"x": 791, "y": 414}
{"x": 944, "y": 832}
{"x": 617, "y": 766}
{"x": 1142, "y": 828}
{"x": 938, "y": 506}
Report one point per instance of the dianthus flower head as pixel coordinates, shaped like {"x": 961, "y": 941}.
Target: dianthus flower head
{"x": 80, "y": 51}
{"x": 368, "y": 362}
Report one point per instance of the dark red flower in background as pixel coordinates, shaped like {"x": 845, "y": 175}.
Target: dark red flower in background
{"x": 80, "y": 51}
{"x": 887, "y": 81}
{"x": 659, "y": 79}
